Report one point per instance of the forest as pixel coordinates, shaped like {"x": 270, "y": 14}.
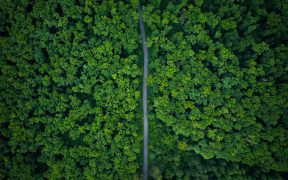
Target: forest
{"x": 71, "y": 75}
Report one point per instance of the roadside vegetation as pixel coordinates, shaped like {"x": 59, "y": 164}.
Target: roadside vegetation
{"x": 71, "y": 89}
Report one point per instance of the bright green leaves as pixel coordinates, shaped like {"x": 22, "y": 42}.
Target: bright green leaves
{"x": 213, "y": 71}
{"x": 226, "y": 54}
{"x": 72, "y": 76}
{"x": 260, "y": 48}
{"x": 134, "y": 3}
{"x": 87, "y": 19}
{"x": 228, "y": 24}
{"x": 70, "y": 98}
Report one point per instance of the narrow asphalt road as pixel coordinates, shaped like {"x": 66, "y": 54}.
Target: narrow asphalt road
{"x": 144, "y": 93}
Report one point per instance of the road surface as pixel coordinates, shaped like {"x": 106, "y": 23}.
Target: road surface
{"x": 144, "y": 93}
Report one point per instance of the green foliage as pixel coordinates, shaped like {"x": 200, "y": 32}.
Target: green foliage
{"x": 70, "y": 97}
{"x": 218, "y": 89}
{"x": 71, "y": 78}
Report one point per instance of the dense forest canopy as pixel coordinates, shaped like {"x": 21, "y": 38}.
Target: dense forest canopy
{"x": 71, "y": 78}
